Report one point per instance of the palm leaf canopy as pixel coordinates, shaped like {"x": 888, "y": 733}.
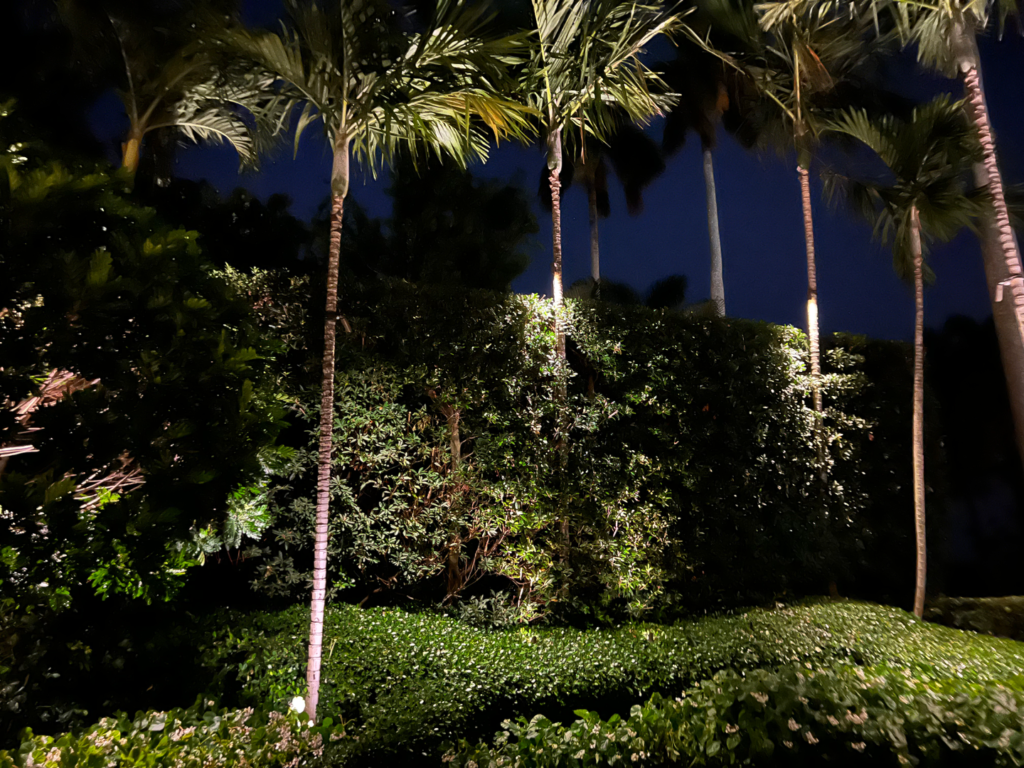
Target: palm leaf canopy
{"x": 165, "y": 78}
{"x": 927, "y": 158}
{"x": 936, "y": 27}
{"x": 205, "y": 102}
{"x": 585, "y": 68}
{"x": 812, "y": 54}
{"x": 378, "y": 88}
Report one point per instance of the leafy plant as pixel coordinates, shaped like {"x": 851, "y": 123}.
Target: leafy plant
{"x": 404, "y": 682}
{"x": 195, "y": 737}
{"x": 688, "y": 479}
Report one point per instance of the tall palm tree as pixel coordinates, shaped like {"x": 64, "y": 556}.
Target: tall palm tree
{"x": 636, "y": 162}
{"x": 710, "y": 88}
{"x": 167, "y": 78}
{"x": 811, "y": 47}
{"x": 700, "y": 80}
{"x": 377, "y": 89}
{"x": 584, "y": 71}
{"x": 945, "y": 34}
{"x": 925, "y": 199}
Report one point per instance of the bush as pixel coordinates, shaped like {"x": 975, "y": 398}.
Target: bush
{"x": 999, "y": 616}
{"x": 134, "y": 412}
{"x": 404, "y": 682}
{"x": 680, "y": 468}
{"x": 196, "y": 737}
{"x": 881, "y": 713}
{"x": 131, "y": 390}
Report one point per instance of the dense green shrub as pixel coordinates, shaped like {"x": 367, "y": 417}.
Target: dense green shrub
{"x": 162, "y": 415}
{"x": 681, "y": 466}
{"x": 404, "y": 682}
{"x": 133, "y": 415}
{"x": 881, "y": 714}
{"x": 196, "y": 737}
{"x": 999, "y": 616}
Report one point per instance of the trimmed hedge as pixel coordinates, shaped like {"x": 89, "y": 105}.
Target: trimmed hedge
{"x": 680, "y": 469}
{"x": 405, "y": 682}
{"x": 876, "y": 715}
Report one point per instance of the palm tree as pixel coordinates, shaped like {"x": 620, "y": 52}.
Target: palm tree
{"x": 377, "y": 90}
{"x": 706, "y": 97}
{"x": 810, "y": 48}
{"x": 703, "y": 81}
{"x": 945, "y": 33}
{"x": 925, "y": 199}
{"x": 635, "y": 159}
{"x": 584, "y": 71}
{"x": 168, "y": 79}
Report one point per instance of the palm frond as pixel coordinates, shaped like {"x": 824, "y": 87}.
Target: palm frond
{"x": 216, "y": 125}
{"x": 586, "y": 64}
{"x": 928, "y": 156}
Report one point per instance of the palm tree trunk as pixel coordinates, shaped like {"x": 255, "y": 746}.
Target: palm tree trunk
{"x": 919, "y": 512}
{"x": 130, "y": 152}
{"x": 717, "y": 281}
{"x": 999, "y": 248}
{"x": 595, "y": 251}
{"x": 554, "y": 169}
{"x": 339, "y": 188}
{"x": 812, "y": 287}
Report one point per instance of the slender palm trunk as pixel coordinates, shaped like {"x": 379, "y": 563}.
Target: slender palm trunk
{"x": 812, "y": 287}
{"x": 130, "y": 152}
{"x": 554, "y": 169}
{"x": 919, "y": 512}
{"x": 717, "y": 281}
{"x": 339, "y": 188}
{"x": 999, "y": 248}
{"x": 595, "y": 250}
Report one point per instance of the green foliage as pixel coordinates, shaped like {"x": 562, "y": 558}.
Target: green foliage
{"x": 135, "y": 415}
{"x": 678, "y": 470}
{"x": 999, "y": 616}
{"x": 404, "y": 682}
{"x": 162, "y": 420}
{"x": 879, "y": 712}
{"x": 191, "y": 738}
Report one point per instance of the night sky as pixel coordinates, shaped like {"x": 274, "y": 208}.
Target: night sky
{"x": 759, "y": 210}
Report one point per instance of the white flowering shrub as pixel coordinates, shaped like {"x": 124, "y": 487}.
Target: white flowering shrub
{"x": 196, "y": 737}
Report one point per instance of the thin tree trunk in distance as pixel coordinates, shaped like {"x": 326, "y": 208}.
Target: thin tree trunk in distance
{"x": 339, "y": 188}
{"x": 812, "y": 288}
{"x": 717, "y": 280}
{"x": 1000, "y": 252}
{"x": 595, "y": 250}
{"x": 919, "y": 510}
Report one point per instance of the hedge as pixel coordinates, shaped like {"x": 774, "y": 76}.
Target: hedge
{"x": 680, "y": 469}
{"x": 404, "y": 682}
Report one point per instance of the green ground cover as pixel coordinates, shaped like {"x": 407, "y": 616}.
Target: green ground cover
{"x": 405, "y": 682}
{"x": 852, "y": 682}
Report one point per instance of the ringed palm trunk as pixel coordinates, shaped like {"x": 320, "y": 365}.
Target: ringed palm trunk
{"x": 595, "y": 250}
{"x": 812, "y": 285}
{"x": 919, "y": 511}
{"x": 339, "y": 188}
{"x": 999, "y": 247}
{"x": 717, "y": 280}
{"x": 130, "y": 151}
{"x": 554, "y": 169}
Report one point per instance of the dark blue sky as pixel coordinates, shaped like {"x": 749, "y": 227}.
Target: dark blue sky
{"x": 759, "y": 209}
